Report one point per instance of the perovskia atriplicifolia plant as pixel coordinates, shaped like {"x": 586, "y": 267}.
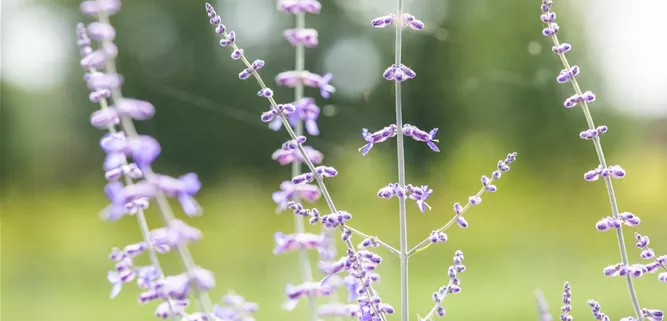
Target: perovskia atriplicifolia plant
{"x": 605, "y": 171}
{"x": 132, "y": 186}
{"x": 359, "y": 263}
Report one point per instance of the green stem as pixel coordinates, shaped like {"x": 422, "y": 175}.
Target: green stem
{"x": 299, "y": 226}
{"x": 318, "y": 178}
{"x": 607, "y": 181}
{"x": 163, "y": 204}
{"x": 402, "y": 211}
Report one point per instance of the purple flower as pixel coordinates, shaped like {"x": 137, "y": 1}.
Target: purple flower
{"x": 285, "y": 157}
{"x": 410, "y": 21}
{"x": 306, "y": 37}
{"x": 340, "y": 310}
{"x": 297, "y": 241}
{"x": 178, "y": 233}
{"x": 292, "y": 78}
{"x": 307, "y": 111}
{"x": 422, "y": 136}
{"x": 235, "y": 307}
{"x": 289, "y": 191}
{"x": 294, "y": 292}
{"x": 379, "y": 136}
{"x": 400, "y": 73}
{"x": 164, "y": 310}
{"x": 419, "y": 194}
{"x": 299, "y": 6}
{"x": 383, "y": 21}
{"x": 183, "y": 188}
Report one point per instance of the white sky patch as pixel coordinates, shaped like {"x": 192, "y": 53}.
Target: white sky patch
{"x": 37, "y": 54}
{"x": 627, "y": 40}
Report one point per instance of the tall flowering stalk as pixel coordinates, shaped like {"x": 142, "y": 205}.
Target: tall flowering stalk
{"x": 359, "y": 263}
{"x": 606, "y": 172}
{"x": 306, "y": 110}
{"x": 141, "y": 185}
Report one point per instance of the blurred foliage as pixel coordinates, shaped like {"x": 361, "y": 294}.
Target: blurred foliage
{"x": 486, "y": 79}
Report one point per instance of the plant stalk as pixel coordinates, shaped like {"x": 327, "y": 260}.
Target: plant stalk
{"x": 608, "y": 184}
{"x": 299, "y": 226}
{"x": 402, "y": 211}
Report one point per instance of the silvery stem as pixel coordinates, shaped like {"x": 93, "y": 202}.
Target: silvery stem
{"x": 402, "y": 215}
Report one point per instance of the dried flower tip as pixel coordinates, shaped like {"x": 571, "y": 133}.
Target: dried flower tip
{"x": 383, "y": 21}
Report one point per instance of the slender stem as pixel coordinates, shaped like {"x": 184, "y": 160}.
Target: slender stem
{"x": 370, "y": 292}
{"x": 378, "y": 241}
{"x": 607, "y": 181}
{"x": 163, "y": 204}
{"x": 141, "y": 219}
{"x": 402, "y": 211}
{"x": 425, "y": 243}
{"x": 299, "y": 225}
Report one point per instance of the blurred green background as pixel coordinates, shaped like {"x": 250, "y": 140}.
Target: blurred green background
{"x": 486, "y": 78}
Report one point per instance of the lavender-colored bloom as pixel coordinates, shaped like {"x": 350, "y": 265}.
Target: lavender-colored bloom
{"x": 97, "y": 7}
{"x": 182, "y": 188}
{"x": 289, "y": 191}
{"x": 419, "y": 194}
{"x": 235, "y": 308}
{"x": 298, "y": 241}
{"x": 164, "y": 310}
{"x": 306, "y": 37}
{"x": 299, "y": 6}
{"x": 294, "y": 292}
{"x": 391, "y": 190}
{"x": 567, "y": 303}
{"x": 285, "y": 157}
{"x": 135, "y": 108}
{"x": 144, "y": 150}
{"x": 383, "y": 21}
{"x": 292, "y": 78}
{"x": 306, "y": 111}
{"x": 410, "y": 21}
{"x": 178, "y": 233}
{"x": 379, "y": 136}
{"x": 653, "y": 315}
{"x": 400, "y": 73}
{"x": 596, "y": 310}
{"x": 422, "y": 136}
{"x": 334, "y": 220}
{"x": 103, "y": 118}
{"x": 338, "y": 310}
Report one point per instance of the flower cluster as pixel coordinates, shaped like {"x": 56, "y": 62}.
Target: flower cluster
{"x": 390, "y": 131}
{"x": 452, "y": 287}
{"x": 132, "y": 184}
{"x": 569, "y": 74}
{"x": 418, "y": 194}
{"x": 567, "y": 303}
